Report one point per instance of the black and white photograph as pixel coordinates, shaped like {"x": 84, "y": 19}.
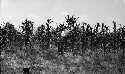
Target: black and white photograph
{"x": 62, "y": 36}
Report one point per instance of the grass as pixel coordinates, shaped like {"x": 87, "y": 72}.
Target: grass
{"x": 48, "y": 62}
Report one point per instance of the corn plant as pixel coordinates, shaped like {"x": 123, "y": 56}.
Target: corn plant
{"x": 27, "y": 27}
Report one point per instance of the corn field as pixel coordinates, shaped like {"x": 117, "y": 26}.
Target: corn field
{"x": 96, "y": 51}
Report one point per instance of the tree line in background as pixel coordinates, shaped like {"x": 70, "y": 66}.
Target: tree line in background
{"x": 79, "y": 38}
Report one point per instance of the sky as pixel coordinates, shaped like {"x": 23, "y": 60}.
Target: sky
{"x": 38, "y": 11}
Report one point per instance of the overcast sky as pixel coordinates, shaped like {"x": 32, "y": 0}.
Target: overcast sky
{"x": 38, "y": 11}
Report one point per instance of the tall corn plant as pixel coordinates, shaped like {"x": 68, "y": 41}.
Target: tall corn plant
{"x": 123, "y": 40}
{"x": 114, "y": 35}
{"x": 71, "y": 21}
{"x": 72, "y": 26}
{"x": 3, "y": 39}
{"x": 8, "y": 33}
{"x": 27, "y": 31}
{"x": 83, "y": 36}
{"x": 40, "y": 33}
{"x": 44, "y": 34}
{"x": 95, "y": 42}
